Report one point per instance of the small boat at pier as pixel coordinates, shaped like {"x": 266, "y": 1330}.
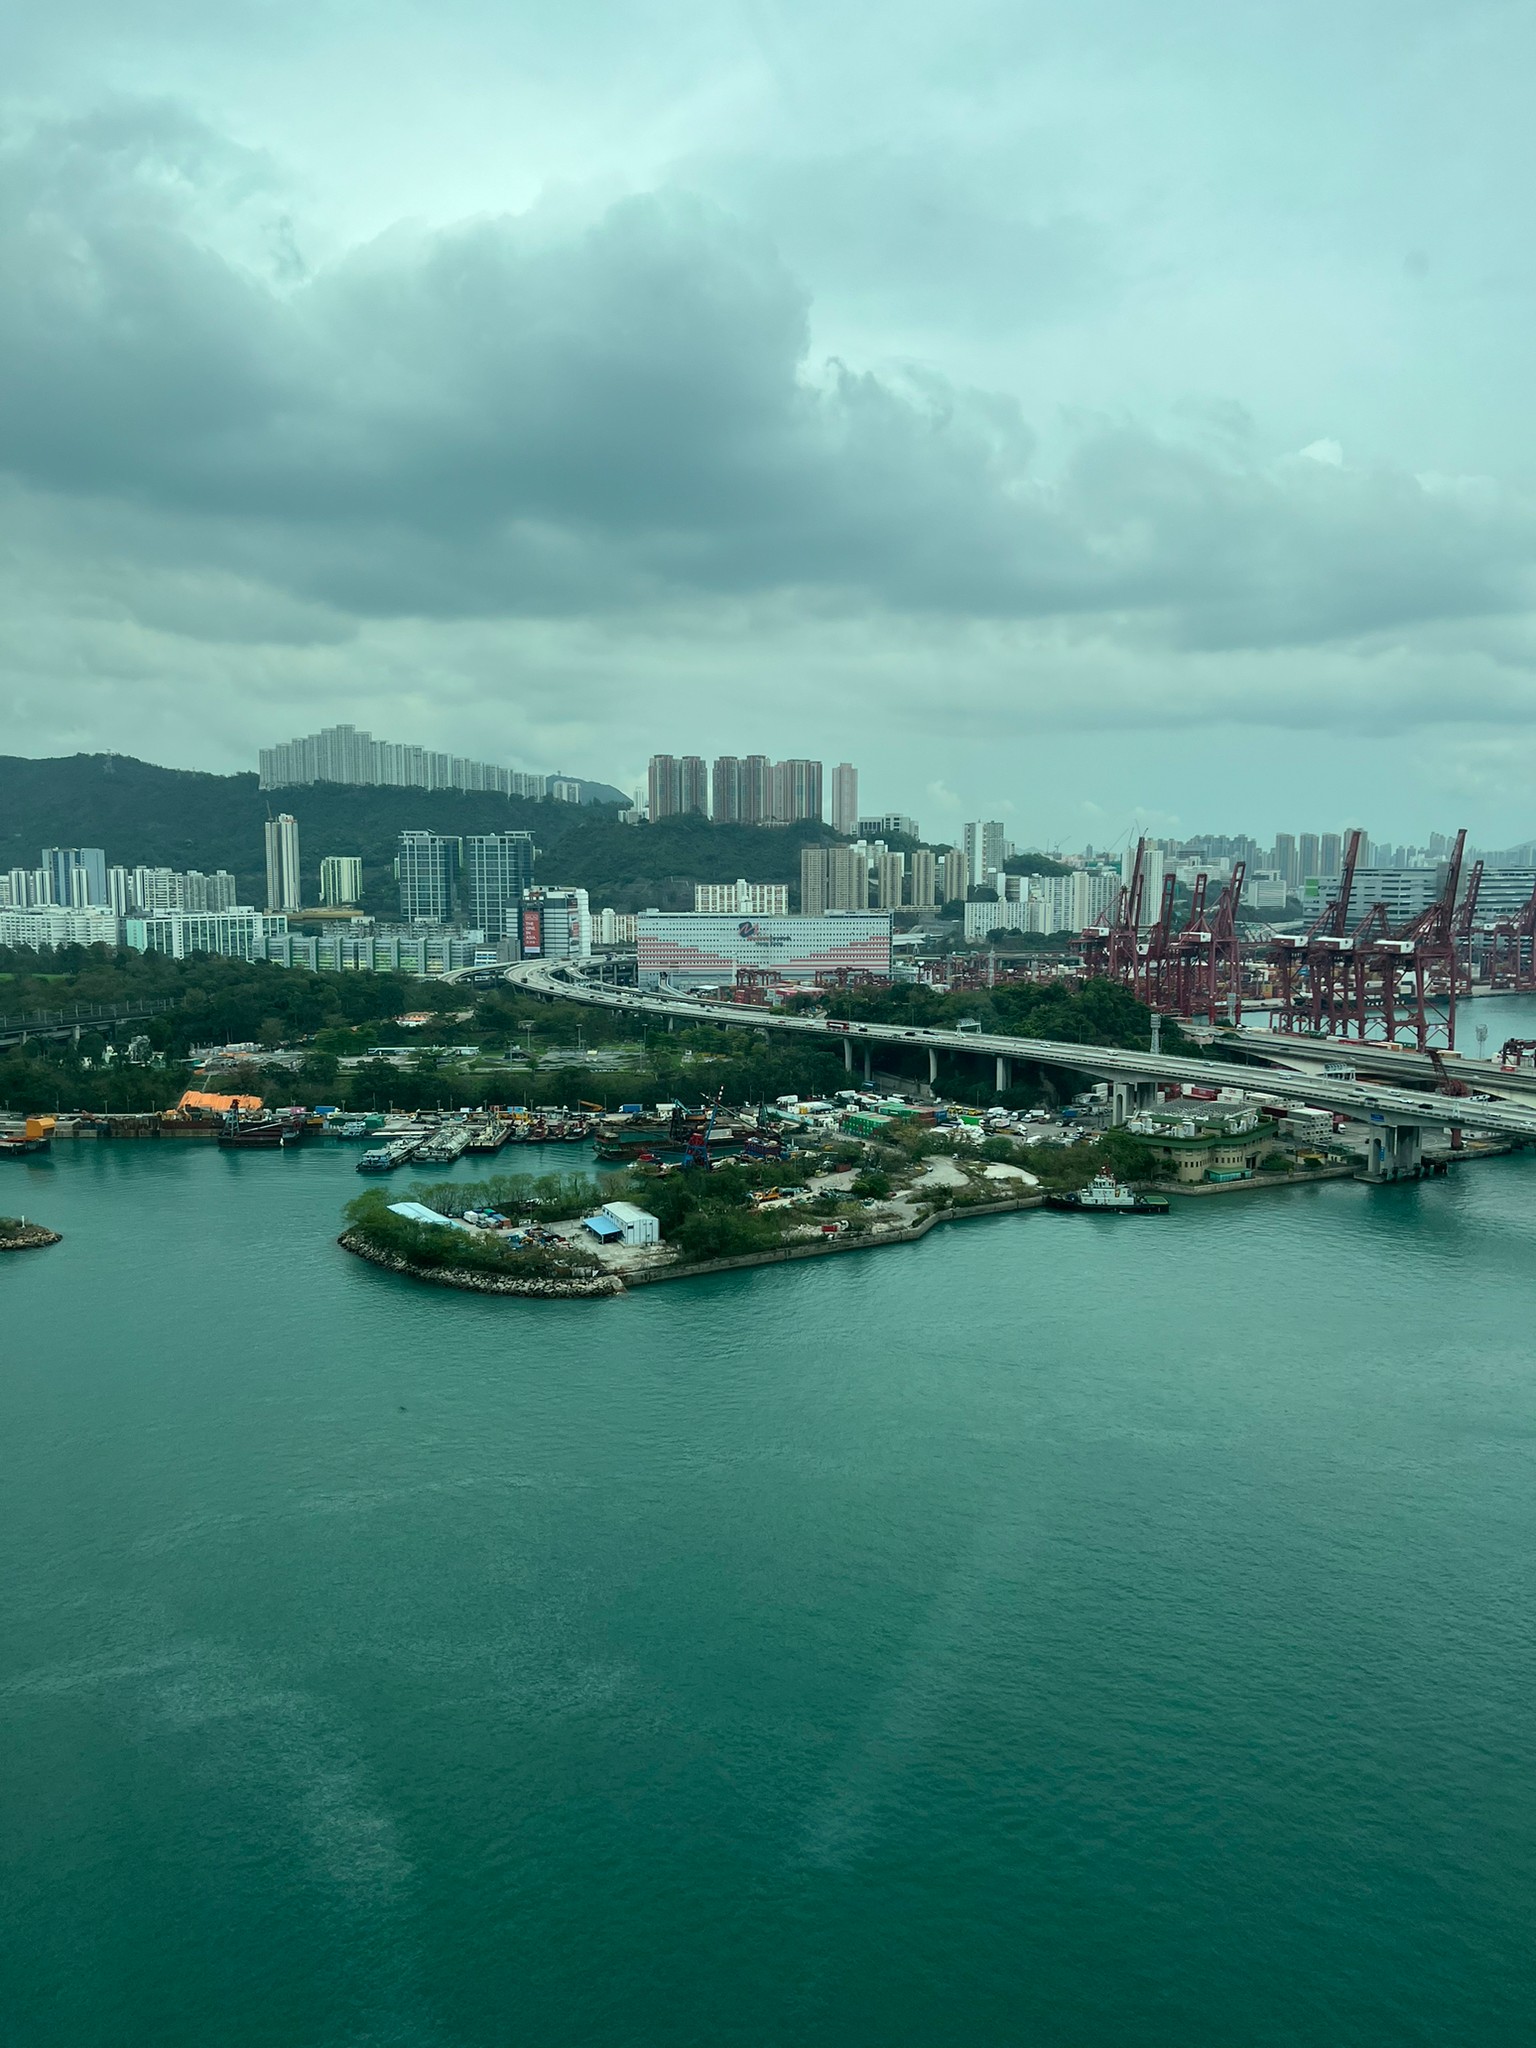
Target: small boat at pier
{"x": 1106, "y": 1196}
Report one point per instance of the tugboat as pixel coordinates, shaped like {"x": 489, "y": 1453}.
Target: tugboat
{"x": 1106, "y": 1196}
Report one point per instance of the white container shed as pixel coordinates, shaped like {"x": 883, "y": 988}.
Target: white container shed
{"x": 636, "y": 1226}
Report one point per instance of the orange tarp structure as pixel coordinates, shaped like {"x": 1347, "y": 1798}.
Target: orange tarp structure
{"x": 194, "y": 1101}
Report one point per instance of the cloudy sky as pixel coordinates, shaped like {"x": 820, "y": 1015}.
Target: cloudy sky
{"x": 1075, "y": 414}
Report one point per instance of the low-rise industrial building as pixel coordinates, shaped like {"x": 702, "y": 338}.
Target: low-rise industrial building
{"x": 635, "y": 1226}
{"x": 1214, "y": 1143}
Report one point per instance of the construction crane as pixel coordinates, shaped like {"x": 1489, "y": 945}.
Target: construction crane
{"x": 696, "y": 1150}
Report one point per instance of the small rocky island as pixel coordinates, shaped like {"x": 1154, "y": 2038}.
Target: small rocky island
{"x": 17, "y": 1235}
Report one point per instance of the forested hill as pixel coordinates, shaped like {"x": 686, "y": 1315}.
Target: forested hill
{"x": 179, "y": 818}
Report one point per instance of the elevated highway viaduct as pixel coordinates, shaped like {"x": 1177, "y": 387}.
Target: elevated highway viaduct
{"x": 1397, "y": 1064}
{"x": 1394, "y": 1118}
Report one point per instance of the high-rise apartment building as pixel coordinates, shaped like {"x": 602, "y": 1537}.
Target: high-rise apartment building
{"x": 342, "y": 754}
{"x": 497, "y": 868}
{"x": 1330, "y": 855}
{"x": 664, "y": 786}
{"x": 341, "y": 881}
{"x": 1286, "y": 861}
{"x": 845, "y": 799}
{"x": 134, "y": 890}
{"x": 924, "y": 878}
{"x": 890, "y": 880}
{"x": 284, "y": 890}
{"x": 756, "y": 789}
{"x": 78, "y": 875}
{"x": 833, "y": 878}
{"x": 952, "y": 876}
{"x": 676, "y": 784}
{"x": 741, "y": 789}
{"x": 796, "y": 795}
{"x": 427, "y": 865}
{"x": 983, "y": 849}
{"x": 725, "y": 790}
{"x": 1153, "y": 862}
{"x": 1308, "y": 855}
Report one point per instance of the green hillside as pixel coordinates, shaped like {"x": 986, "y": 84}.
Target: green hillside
{"x": 180, "y": 818}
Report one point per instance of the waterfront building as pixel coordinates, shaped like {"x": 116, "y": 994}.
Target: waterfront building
{"x": 555, "y": 924}
{"x": 1222, "y": 1142}
{"x": 341, "y": 881}
{"x": 427, "y": 866}
{"x": 747, "y": 899}
{"x": 688, "y": 951}
{"x": 845, "y": 801}
{"x": 497, "y": 869}
{"x": 833, "y": 878}
{"x": 284, "y": 890}
{"x": 635, "y": 1225}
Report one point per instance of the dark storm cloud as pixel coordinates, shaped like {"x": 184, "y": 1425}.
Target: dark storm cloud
{"x": 517, "y": 416}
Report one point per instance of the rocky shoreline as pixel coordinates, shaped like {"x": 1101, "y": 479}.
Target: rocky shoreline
{"x": 25, "y": 1237}
{"x": 611, "y": 1284}
{"x": 469, "y": 1281}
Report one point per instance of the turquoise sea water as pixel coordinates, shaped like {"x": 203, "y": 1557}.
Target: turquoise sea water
{"x": 1063, "y": 1631}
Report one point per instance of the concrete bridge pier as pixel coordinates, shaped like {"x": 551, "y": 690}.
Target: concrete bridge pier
{"x": 933, "y": 1065}
{"x": 848, "y": 1054}
{"x": 868, "y": 1075}
{"x": 1394, "y": 1152}
{"x": 1129, "y": 1098}
{"x": 1004, "y": 1072}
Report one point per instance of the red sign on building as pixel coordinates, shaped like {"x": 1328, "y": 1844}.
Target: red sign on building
{"x": 533, "y": 934}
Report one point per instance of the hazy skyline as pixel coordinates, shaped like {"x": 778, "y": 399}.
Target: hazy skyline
{"x": 1065, "y": 418}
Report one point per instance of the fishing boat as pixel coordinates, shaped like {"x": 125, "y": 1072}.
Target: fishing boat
{"x": 1106, "y": 1196}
